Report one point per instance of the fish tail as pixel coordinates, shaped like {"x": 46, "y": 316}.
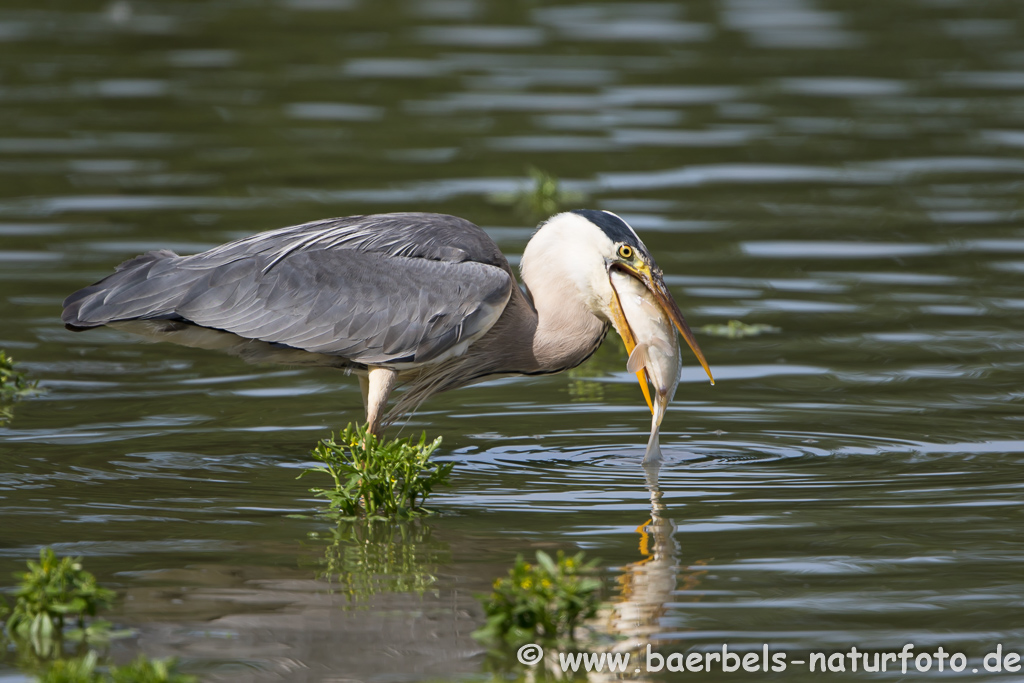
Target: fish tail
{"x": 653, "y": 453}
{"x": 660, "y": 405}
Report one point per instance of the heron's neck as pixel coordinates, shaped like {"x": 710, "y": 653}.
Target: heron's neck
{"x": 566, "y": 331}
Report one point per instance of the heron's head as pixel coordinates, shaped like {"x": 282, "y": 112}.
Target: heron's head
{"x": 585, "y": 246}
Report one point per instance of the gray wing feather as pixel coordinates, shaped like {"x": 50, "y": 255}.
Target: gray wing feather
{"x": 435, "y": 237}
{"x": 371, "y": 289}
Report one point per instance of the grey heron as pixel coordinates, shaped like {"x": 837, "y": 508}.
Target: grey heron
{"x": 417, "y": 299}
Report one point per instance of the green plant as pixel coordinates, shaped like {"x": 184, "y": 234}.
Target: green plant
{"x": 145, "y": 670}
{"x": 142, "y": 670}
{"x": 13, "y": 386}
{"x": 542, "y": 197}
{"x": 737, "y": 329}
{"x": 51, "y": 593}
{"x": 377, "y": 478}
{"x": 76, "y": 670}
{"x": 542, "y": 602}
{"x": 12, "y": 381}
{"x": 54, "y": 593}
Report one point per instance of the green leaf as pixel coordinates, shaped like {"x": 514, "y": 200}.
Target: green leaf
{"x": 545, "y": 561}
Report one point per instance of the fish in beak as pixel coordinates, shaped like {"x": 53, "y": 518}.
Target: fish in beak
{"x": 654, "y": 282}
{"x": 646, "y": 317}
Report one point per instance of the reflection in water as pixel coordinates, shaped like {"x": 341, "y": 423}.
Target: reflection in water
{"x": 648, "y": 584}
{"x": 633, "y": 617}
{"x": 369, "y": 557}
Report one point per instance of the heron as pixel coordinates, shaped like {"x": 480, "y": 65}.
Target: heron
{"x": 421, "y": 300}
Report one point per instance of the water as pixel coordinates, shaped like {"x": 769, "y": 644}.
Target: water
{"x": 850, "y": 173}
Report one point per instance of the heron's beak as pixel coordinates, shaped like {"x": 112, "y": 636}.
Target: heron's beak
{"x": 656, "y": 285}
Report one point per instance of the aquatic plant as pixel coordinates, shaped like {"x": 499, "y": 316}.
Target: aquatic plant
{"x": 85, "y": 670}
{"x": 737, "y": 329}
{"x": 56, "y": 592}
{"x": 368, "y": 557}
{"x": 51, "y": 593}
{"x": 542, "y": 197}
{"x": 377, "y": 478}
{"x": 13, "y": 386}
{"x": 146, "y": 670}
{"x": 541, "y": 602}
{"x": 72, "y": 670}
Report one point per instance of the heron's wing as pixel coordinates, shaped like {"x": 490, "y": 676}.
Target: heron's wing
{"x": 342, "y": 290}
{"x": 431, "y": 236}
{"x": 364, "y": 307}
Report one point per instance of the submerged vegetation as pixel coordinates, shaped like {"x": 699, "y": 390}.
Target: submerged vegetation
{"x": 57, "y": 593}
{"x": 542, "y": 197}
{"x": 737, "y": 329}
{"x": 375, "y": 477}
{"x": 369, "y": 557}
{"x": 542, "y": 602}
{"x": 13, "y": 386}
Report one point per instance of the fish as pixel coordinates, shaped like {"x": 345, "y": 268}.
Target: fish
{"x": 656, "y": 351}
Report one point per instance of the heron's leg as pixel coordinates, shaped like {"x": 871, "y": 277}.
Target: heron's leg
{"x": 364, "y": 387}
{"x": 380, "y": 381}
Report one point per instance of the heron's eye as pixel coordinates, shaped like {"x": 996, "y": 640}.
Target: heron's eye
{"x": 626, "y": 252}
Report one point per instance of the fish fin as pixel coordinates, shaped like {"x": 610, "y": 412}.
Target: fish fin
{"x": 638, "y": 358}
